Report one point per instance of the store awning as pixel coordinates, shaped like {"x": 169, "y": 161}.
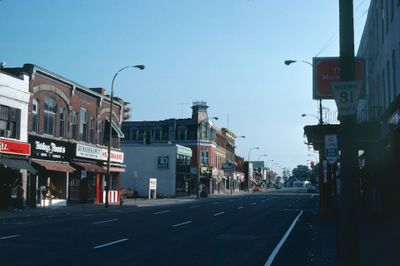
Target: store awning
{"x": 17, "y": 164}
{"x": 90, "y": 167}
{"x": 54, "y": 166}
{"x": 115, "y": 169}
{"x": 116, "y": 130}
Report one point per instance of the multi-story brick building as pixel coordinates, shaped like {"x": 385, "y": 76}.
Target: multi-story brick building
{"x": 208, "y": 143}
{"x": 67, "y": 129}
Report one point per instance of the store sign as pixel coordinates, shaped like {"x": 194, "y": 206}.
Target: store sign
{"x": 163, "y": 162}
{"x": 184, "y": 151}
{"x": 15, "y": 147}
{"x": 97, "y": 153}
{"x": 48, "y": 149}
{"x": 327, "y": 70}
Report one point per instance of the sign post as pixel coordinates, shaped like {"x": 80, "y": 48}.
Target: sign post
{"x": 153, "y": 187}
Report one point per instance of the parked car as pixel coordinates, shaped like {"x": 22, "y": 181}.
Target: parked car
{"x": 311, "y": 189}
{"x": 256, "y": 189}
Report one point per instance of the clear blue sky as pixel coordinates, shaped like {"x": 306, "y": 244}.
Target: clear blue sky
{"x": 229, "y": 53}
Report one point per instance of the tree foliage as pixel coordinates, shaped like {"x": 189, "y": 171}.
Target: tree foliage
{"x": 302, "y": 172}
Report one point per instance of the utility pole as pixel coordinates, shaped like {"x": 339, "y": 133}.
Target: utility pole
{"x": 348, "y": 214}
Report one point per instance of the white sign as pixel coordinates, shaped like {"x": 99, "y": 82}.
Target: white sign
{"x": 331, "y": 148}
{"x": 153, "y": 183}
{"x": 347, "y": 94}
{"x": 92, "y": 152}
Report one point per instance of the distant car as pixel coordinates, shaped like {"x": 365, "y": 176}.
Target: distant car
{"x": 311, "y": 189}
{"x": 256, "y": 189}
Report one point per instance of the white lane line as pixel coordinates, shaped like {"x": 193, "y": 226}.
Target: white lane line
{"x": 195, "y": 206}
{"x": 7, "y": 237}
{"x": 106, "y": 221}
{"x": 161, "y": 212}
{"x": 278, "y": 247}
{"x": 312, "y": 196}
{"x": 253, "y": 203}
{"x": 291, "y": 210}
{"x": 219, "y": 213}
{"x": 263, "y": 201}
{"x": 176, "y": 225}
{"x": 111, "y": 243}
{"x": 241, "y": 207}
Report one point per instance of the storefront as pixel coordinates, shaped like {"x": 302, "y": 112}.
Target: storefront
{"x": 50, "y": 157}
{"x": 87, "y": 184}
{"x": 15, "y": 173}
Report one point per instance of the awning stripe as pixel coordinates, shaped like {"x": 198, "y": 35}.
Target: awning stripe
{"x": 90, "y": 167}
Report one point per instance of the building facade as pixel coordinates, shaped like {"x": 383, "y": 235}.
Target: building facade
{"x": 380, "y": 47}
{"x": 15, "y": 170}
{"x": 207, "y": 141}
{"x": 169, "y": 164}
{"x": 68, "y": 131}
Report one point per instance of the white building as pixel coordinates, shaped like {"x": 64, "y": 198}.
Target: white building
{"x": 168, "y": 163}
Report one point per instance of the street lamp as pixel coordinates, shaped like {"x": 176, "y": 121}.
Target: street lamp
{"x": 254, "y": 148}
{"x": 198, "y": 151}
{"x": 288, "y": 62}
{"x": 107, "y": 188}
{"x": 262, "y": 155}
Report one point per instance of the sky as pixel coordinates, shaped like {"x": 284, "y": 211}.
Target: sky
{"x": 229, "y": 53}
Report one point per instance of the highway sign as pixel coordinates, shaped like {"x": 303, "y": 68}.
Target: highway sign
{"x": 331, "y": 148}
{"x": 347, "y": 94}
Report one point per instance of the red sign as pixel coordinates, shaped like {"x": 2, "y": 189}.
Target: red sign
{"x": 327, "y": 70}
{"x": 15, "y": 147}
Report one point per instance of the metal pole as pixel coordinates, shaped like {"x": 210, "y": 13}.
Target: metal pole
{"x": 107, "y": 187}
{"x": 349, "y": 245}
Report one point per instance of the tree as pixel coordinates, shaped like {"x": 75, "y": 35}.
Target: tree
{"x": 302, "y": 172}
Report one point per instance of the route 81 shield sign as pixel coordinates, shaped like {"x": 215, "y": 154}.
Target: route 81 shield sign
{"x": 347, "y": 94}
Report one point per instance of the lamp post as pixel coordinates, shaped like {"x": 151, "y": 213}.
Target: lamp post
{"x": 107, "y": 187}
{"x": 198, "y": 151}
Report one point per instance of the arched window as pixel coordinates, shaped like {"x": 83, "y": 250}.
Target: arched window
{"x": 50, "y": 108}
{"x": 63, "y": 122}
{"x": 182, "y": 133}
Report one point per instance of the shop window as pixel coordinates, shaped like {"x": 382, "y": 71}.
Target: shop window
{"x": 204, "y": 157}
{"x": 35, "y": 115}
{"x": 83, "y": 125}
{"x": 9, "y": 122}
{"x": 63, "y": 122}
{"x": 50, "y": 108}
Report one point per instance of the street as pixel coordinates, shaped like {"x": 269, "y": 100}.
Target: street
{"x": 239, "y": 230}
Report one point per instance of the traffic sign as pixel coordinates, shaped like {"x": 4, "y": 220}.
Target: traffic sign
{"x": 347, "y": 94}
{"x": 331, "y": 148}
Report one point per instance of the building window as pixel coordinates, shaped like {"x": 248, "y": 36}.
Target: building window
{"x": 92, "y": 129}
{"x": 389, "y": 88}
{"x": 135, "y": 133}
{"x": 74, "y": 126}
{"x": 204, "y": 131}
{"x": 63, "y": 120}
{"x": 35, "y": 115}
{"x": 204, "y": 157}
{"x": 50, "y": 108}
{"x": 182, "y": 133}
{"x": 83, "y": 124}
{"x": 9, "y": 122}
{"x": 157, "y": 133}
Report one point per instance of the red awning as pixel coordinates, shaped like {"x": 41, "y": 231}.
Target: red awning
{"x": 90, "y": 167}
{"x": 54, "y": 166}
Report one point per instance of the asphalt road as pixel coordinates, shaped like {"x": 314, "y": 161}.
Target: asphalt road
{"x": 239, "y": 230}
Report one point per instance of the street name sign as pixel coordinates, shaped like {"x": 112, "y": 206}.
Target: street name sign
{"x": 347, "y": 94}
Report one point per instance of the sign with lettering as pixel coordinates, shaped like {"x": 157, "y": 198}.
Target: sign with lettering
{"x": 163, "y": 162}
{"x": 327, "y": 70}
{"x": 97, "y": 153}
{"x": 44, "y": 148}
{"x": 347, "y": 94}
{"x": 331, "y": 148}
{"x": 15, "y": 147}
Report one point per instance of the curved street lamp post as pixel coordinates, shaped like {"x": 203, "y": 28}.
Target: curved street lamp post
{"x": 107, "y": 187}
